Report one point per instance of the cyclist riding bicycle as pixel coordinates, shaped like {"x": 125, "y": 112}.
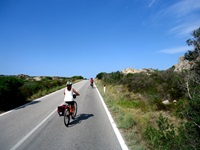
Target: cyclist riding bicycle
{"x": 69, "y": 95}
{"x": 91, "y": 81}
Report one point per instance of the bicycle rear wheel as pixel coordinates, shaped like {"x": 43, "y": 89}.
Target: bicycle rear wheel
{"x": 66, "y": 117}
{"x": 75, "y": 109}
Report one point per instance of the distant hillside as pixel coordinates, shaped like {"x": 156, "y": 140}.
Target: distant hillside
{"x": 39, "y": 78}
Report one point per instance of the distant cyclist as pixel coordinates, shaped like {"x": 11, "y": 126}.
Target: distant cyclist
{"x": 91, "y": 82}
{"x": 69, "y": 95}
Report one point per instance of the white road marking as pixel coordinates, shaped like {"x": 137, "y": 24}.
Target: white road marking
{"x": 31, "y": 132}
{"x": 114, "y": 126}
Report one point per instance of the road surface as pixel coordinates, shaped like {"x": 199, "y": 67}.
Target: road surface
{"x": 37, "y": 126}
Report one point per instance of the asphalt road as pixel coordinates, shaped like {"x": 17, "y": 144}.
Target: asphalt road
{"x": 37, "y": 126}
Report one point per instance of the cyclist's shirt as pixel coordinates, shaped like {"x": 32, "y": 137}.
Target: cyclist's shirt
{"x": 68, "y": 95}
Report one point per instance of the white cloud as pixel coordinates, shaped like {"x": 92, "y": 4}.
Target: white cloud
{"x": 151, "y": 3}
{"x": 184, "y": 7}
{"x": 183, "y": 17}
{"x": 186, "y": 12}
{"x": 184, "y": 29}
{"x": 175, "y": 50}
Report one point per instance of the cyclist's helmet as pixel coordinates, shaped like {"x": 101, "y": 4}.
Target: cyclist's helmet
{"x": 69, "y": 83}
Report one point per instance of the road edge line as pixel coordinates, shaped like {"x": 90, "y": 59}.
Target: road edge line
{"x": 35, "y": 100}
{"x": 114, "y": 126}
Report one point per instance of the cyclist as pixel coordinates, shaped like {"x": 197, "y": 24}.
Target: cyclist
{"x": 69, "y": 95}
{"x": 91, "y": 81}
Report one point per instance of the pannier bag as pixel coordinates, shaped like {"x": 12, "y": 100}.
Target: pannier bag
{"x": 60, "y": 110}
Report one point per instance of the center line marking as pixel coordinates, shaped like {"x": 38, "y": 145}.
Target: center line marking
{"x": 31, "y": 132}
{"x": 34, "y": 129}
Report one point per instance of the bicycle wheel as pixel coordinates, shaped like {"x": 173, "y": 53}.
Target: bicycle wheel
{"x": 75, "y": 109}
{"x": 66, "y": 117}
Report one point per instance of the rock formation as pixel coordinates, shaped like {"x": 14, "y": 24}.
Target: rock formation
{"x": 183, "y": 64}
{"x": 132, "y": 70}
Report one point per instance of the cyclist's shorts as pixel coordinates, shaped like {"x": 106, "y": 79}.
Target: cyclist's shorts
{"x": 70, "y": 103}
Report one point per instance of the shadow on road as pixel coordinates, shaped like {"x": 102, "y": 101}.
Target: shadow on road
{"x": 79, "y": 119}
{"x": 27, "y": 104}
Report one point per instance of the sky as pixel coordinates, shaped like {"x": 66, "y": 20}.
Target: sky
{"x": 85, "y": 37}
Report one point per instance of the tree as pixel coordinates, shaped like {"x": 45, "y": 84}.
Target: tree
{"x": 195, "y": 41}
{"x": 100, "y": 75}
{"x": 191, "y": 79}
{"x": 192, "y": 111}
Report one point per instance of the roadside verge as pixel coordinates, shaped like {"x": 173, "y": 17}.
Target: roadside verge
{"x": 114, "y": 126}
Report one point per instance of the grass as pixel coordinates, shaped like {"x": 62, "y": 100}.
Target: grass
{"x": 123, "y": 112}
{"x": 133, "y": 114}
{"x": 128, "y": 104}
{"x": 125, "y": 121}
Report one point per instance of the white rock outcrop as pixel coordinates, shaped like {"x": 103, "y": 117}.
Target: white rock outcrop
{"x": 183, "y": 64}
{"x": 132, "y": 70}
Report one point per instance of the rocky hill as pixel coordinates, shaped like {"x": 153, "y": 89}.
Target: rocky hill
{"x": 38, "y": 78}
{"x": 183, "y": 64}
{"x": 132, "y": 70}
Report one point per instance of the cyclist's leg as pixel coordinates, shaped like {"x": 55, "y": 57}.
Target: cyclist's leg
{"x": 72, "y": 109}
{"x": 71, "y": 106}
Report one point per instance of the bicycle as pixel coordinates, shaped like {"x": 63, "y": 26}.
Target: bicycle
{"x": 69, "y": 112}
{"x": 91, "y": 84}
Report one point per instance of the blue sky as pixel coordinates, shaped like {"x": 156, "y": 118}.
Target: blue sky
{"x": 86, "y": 37}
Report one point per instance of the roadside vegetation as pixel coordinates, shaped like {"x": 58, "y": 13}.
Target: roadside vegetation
{"x": 136, "y": 103}
{"x": 18, "y": 90}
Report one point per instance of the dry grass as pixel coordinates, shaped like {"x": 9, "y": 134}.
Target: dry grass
{"x": 122, "y": 103}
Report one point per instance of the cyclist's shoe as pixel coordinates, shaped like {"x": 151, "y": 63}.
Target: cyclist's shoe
{"x": 73, "y": 117}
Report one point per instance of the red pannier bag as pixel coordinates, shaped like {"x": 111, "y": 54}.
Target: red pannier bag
{"x": 60, "y": 110}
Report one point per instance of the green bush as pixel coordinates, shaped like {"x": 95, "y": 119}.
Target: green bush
{"x": 192, "y": 113}
{"x": 164, "y": 137}
{"x": 160, "y": 84}
{"x": 77, "y": 78}
{"x": 15, "y": 91}
{"x": 29, "y": 88}
{"x": 113, "y": 78}
{"x": 10, "y": 94}
{"x": 100, "y": 75}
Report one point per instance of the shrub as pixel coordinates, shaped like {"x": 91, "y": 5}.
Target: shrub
{"x": 160, "y": 84}
{"x": 29, "y": 88}
{"x": 10, "y": 94}
{"x": 100, "y": 75}
{"x": 77, "y": 78}
{"x": 164, "y": 137}
{"x": 14, "y": 91}
{"x": 113, "y": 78}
